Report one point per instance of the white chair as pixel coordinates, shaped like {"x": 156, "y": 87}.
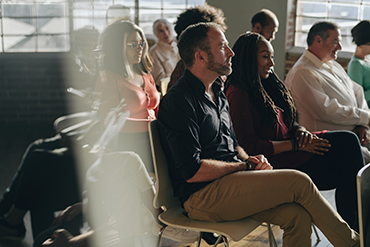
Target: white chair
{"x": 363, "y": 197}
{"x": 173, "y": 214}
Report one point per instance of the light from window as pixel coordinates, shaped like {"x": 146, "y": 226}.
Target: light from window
{"x": 40, "y": 26}
{"x": 345, "y": 13}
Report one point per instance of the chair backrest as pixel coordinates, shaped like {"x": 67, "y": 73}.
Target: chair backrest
{"x": 363, "y": 195}
{"x": 163, "y": 83}
{"x": 164, "y": 195}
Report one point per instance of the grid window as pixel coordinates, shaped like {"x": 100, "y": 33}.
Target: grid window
{"x": 39, "y": 26}
{"x": 346, "y": 13}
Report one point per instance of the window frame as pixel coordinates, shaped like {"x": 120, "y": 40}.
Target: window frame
{"x": 94, "y": 6}
{"x": 301, "y": 33}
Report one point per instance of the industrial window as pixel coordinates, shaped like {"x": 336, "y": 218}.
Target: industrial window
{"x": 46, "y": 26}
{"x": 346, "y": 13}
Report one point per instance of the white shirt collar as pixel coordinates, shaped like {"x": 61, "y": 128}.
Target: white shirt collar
{"x": 312, "y": 57}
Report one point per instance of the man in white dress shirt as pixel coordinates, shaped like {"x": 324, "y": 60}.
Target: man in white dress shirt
{"x": 326, "y": 98}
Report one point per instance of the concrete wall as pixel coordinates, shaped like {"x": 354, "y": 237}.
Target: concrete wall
{"x": 238, "y": 14}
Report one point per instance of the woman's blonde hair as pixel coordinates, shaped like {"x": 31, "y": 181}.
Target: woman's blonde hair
{"x": 114, "y": 39}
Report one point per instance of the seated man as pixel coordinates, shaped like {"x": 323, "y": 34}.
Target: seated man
{"x": 201, "y": 13}
{"x": 326, "y": 98}
{"x": 211, "y": 174}
{"x": 265, "y": 23}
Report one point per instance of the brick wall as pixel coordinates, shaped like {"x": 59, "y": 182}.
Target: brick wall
{"x": 33, "y": 85}
{"x": 291, "y": 25}
{"x": 33, "y": 90}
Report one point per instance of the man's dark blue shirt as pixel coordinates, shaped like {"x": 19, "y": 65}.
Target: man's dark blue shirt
{"x": 192, "y": 127}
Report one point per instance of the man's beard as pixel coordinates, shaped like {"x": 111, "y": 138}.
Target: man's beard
{"x": 221, "y": 69}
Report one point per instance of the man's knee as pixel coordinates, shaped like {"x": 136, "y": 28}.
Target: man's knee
{"x": 298, "y": 177}
{"x": 288, "y": 216}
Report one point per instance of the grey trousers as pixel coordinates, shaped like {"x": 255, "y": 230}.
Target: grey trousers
{"x": 287, "y": 198}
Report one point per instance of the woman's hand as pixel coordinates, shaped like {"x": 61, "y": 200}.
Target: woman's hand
{"x": 68, "y": 214}
{"x": 61, "y": 238}
{"x": 304, "y": 137}
{"x": 316, "y": 146}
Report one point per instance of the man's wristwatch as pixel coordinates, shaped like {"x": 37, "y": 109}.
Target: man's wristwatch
{"x": 248, "y": 165}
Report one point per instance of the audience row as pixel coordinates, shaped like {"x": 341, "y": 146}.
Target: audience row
{"x": 226, "y": 113}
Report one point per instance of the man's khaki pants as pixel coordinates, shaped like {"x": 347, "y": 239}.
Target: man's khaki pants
{"x": 287, "y": 198}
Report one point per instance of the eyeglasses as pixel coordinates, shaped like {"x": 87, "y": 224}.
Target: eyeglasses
{"x": 135, "y": 45}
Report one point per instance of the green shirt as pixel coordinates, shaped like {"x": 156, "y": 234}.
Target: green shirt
{"x": 359, "y": 71}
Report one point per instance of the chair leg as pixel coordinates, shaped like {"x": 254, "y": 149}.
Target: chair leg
{"x": 160, "y": 235}
{"x": 316, "y": 233}
{"x": 226, "y": 241}
{"x": 272, "y": 239}
{"x": 200, "y": 239}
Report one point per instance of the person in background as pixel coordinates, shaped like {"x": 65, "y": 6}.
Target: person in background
{"x": 265, "y": 23}
{"x": 201, "y": 13}
{"x": 264, "y": 118}
{"x": 325, "y": 96}
{"x": 359, "y": 65}
{"x": 165, "y": 52}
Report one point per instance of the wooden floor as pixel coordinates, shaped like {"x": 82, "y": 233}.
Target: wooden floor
{"x": 11, "y": 150}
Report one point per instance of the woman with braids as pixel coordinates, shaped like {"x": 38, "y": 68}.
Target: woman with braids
{"x": 265, "y": 122}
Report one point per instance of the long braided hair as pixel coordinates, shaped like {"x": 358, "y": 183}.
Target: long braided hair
{"x": 266, "y": 96}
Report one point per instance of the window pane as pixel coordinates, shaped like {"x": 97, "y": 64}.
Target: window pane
{"x": 347, "y": 44}
{"x": 195, "y": 2}
{"x": 17, "y": 10}
{"x": 82, "y": 22}
{"x": 147, "y": 17}
{"x": 171, "y": 15}
{"x": 366, "y": 13}
{"x": 345, "y": 25}
{"x": 119, "y": 11}
{"x": 342, "y": 11}
{"x": 345, "y": 13}
{"x": 36, "y": 25}
{"x": 18, "y": 26}
{"x": 305, "y": 23}
{"x": 311, "y": 9}
{"x": 54, "y": 26}
{"x": 51, "y": 9}
{"x": 127, "y": 3}
{"x": 19, "y": 43}
{"x": 354, "y": 1}
{"x": 49, "y": 43}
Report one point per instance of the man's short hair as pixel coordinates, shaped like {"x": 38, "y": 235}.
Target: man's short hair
{"x": 262, "y": 17}
{"x": 195, "y": 37}
{"x": 320, "y": 28}
{"x": 201, "y": 13}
